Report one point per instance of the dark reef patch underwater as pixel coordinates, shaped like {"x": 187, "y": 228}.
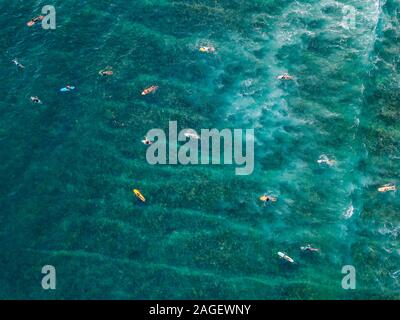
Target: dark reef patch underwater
{"x": 68, "y": 166}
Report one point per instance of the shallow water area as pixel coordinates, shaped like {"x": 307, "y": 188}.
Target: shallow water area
{"x": 68, "y": 166}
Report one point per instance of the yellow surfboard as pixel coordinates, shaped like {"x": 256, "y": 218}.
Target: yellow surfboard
{"x": 139, "y": 195}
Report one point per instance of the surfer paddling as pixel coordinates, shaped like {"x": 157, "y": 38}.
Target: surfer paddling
{"x": 285, "y": 76}
{"x": 139, "y": 195}
{"x": 36, "y": 100}
{"x": 192, "y": 135}
{"x": 149, "y": 90}
{"x": 106, "y": 72}
{"x": 325, "y": 160}
{"x": 265, "y": 198}
{"x": 309, "y": 248}
{"x": 15, "y": 61}
{"x": 387, "y": 188}
{"x": 285, "y": 257}
{"x": 146, "y": 141}
{"x": 33, "y": 21}
{"x": 67, "y": 88}
{"x": 207, "y": 49}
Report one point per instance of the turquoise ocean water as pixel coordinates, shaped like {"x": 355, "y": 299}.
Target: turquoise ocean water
{"x": 68, "y": 166}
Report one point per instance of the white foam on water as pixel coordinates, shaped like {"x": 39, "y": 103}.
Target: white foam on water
{"x": 349, "y": 212}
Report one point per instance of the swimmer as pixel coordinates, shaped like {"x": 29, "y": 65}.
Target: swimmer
{"x": 18, "y": 64}
{"x": 387, "y": 188}
{"x": 266, "y": 199}
{"x": 34, "y": 20}
{"x": 325, "y": 160}
{"x": 209, "y": 49}
{"x": 285, "y": 76}
{"x": 309, "y": 248}
{"x": 36, "y": 100}
{"x": 106, "y": 72}
{"x": 146, "y": 141}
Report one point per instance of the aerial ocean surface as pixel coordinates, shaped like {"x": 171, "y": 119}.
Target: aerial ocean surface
{"x": 68, "y": 165}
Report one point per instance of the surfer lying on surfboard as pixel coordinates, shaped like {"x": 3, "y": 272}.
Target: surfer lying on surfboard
{"x": 149, "y": 90}
{"x": 387, "y": 188}
{"x": 36, "y": 100}
{"x": 67, "y": 88}
{"x": 18, "y": 64}
{"x": 309, "y": 248}
{"x": 285, "y": 76}
{"x": 209, "y": 49}
{"x": 146, "y": 141}
{"x": 139, "y": 195}
{"x": 106, "y": 72}
{"x": 325, "y": 160}
{"x": 265, "y": 198}
{"x": 191, "y": 134}
{"x": 34, "y": 20}
{"x": 285, "y": 257}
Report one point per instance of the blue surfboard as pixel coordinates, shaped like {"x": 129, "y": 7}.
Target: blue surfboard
{"x": 66, "y": 89}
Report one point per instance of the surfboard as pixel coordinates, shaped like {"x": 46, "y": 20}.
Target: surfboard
{"x": 285, "y": 77}
{"x": 285, "y": 257}
{"x": 207, "y": 49}
{"x": 149, "y": 90}
{"x": 66, "y": 89}
{"x": 387, "y": 188}
{"x": 192, "y": 134}
{"x": 34, "y": 20}
{"x": 139, "y": 195}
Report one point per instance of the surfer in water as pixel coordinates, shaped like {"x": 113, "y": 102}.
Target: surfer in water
{"x": 18, "y": 64}
{"x": 106, "y": 72}
{"x": 34, "y": 20}
{"x": 265, "y": 198}
{"x": 149, "y": 90}
{"x": 284, "y": 256}
{"x": 192, "y": 134}
{"x": 309, "y": 248}
{"x": 36, "y": 100}
{"x": 325, "y": 160}
{"x": 146, "y": 141}
{"x": 285, "y": 76}
{"x": 207, "y": 49}
{"x": 387, "y": 188}
{"x": 67, "y": 88}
